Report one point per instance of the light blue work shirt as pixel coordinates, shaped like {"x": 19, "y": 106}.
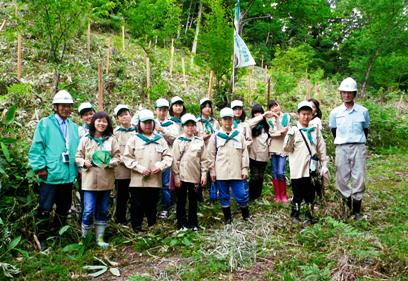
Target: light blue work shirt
{"x": 350, "y": 124}
{"x": 63, "y": 126}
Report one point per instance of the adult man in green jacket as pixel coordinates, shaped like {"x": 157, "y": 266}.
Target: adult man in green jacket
{"x": 52, "y": 157}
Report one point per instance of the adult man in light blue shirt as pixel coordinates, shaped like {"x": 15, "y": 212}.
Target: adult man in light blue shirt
{"x": 349, "y": 124}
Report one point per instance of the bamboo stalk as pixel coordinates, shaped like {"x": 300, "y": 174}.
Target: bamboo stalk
{"x": 19, "y": 44}
{"x": 171, "y": 57}
{"x": 108, "y": 51}
{"x": 210, "y": 83}
{"x": 148, "y": 81}
{"x": 100, "y": 87}
{"x": 88, "y": 38}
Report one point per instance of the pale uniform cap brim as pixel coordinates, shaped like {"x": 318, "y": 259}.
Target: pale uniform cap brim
{"x": 85, "y": 105}
{"x": 204, "y": 100}
{"x": 119, "y": 108}
{"x": 226, "y": 112}
{"x": 176, "y": 99}
{"x": 188, "y": 117}
{"x": 146, "y": 115}
{"x": 305, "y": 104}
{"x": 236, "y": 103}
{"x": 161, "y": 103}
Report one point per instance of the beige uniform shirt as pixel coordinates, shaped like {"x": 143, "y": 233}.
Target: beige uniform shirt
{"x": 170, "y": 132}
{"x": 259, "y": 148}
{"x": 82, "y": 131}
{"x": 121, "y": 172}
{"x": 139, "y": 156}
{"x": 228, "y": 160}
{"x": 299, "y": 156}
{"x": 277, "y": 134}
{"x": 190, "y": 160}
{"x": 244, "y": 128}
{"x": 201, "y": 131}
{"x": 96, "y": 178}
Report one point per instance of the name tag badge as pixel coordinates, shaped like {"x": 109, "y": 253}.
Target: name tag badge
{"x": 159, "y": 148}
{"x": 237, "y": 145}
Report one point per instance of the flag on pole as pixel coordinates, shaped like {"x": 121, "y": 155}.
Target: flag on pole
{"x": 241, "y": 52}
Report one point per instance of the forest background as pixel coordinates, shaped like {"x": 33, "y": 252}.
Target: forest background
{"x": 146, "y": 49}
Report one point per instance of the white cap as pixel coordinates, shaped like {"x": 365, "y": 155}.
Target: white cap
{"x": 305, "y": 103}
{"x": 176, "y": 99}
{"x": 161, "y": 103}
{"x": 146, "y": 115}
{"x": 119, "y": 107}
{"x": 188, "y": 117}
{"x": 62, "y": 97}
{"x": 348, "y": 85}
{"x": 83, "y": 106}
{"x": 226, "y": 112}
{"x": 203, "y": 100}
{"x": 235, "y": 103}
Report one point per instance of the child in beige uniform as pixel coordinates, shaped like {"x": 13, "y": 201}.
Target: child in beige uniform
{"x": 98, "y": 153}
{"x": 189, "y": 170}
{"x": 177, "y": 110}
{"x": 123, "y": 132}
{"x": 279, "y": 126}
{"x": 228, "y": 155}
{"x": 147, "y": 155}
{"x": 305, "y": 146}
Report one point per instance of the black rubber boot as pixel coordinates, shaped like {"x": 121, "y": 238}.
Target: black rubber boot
{"x": 295, "y": 212}
{"x": 245, "y": 214}
{"x": 227, "y": 215}
{"x": 357, "y": 209}
{"x": 310, "y": 218}
{"x": 43, "y": 231}
{"x": 347, "y": 202}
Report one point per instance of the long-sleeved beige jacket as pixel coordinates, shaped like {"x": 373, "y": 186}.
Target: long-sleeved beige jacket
{"x": 121, "y": 172}
{"x": 259, "y": 148}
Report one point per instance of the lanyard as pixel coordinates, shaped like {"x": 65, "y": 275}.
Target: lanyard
{"x": 65, "y": 135}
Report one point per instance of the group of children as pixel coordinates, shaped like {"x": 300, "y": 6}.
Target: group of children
{"x": 176, "y": 155}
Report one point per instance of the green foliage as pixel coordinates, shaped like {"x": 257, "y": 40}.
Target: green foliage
{"x": 55, "y": 23}
{"x": 151, "y": 20}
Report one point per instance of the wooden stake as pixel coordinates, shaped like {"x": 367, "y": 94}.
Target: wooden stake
{"x": 171, "y": 57}
{"x": 88, "y": 38}
{"x": 100, "y": 88}
{"x": 210, "y": 83}
{"x": 2, "y": 25}
{"x": 266, "y": 73}
{"x": 19, "y": 44}
{"x": 123, "y": 37}
{"x": 183, "y": 67}
{"x": 108, "y": 50}
{"x": 148, "y": 82}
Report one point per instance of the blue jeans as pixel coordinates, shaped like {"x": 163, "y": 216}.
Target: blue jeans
{"x": 239, "y": 191}
{"x": 96, "y": 203}
{"x": 166, "y": 193}
{"x": 278, "y": 167}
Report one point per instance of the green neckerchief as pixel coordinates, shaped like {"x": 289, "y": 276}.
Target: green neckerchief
{"x": 147, "y": 140}
{"x": 99, "y": 141}
{"x": 166, "y": 123}
{"x": 270, "y": 123}
{"x": 308, "y": 132}
{"x": 208, "y": 127}
{"x": 176, "y": 120}
{"x": 228, "y": 137}
{"x": 131, "y": 129}
{"x": 235, "y": 123}
{"x": 185, "y": 139}
{"x": 285, "y": 120}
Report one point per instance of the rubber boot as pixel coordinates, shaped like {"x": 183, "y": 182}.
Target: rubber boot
{"x": 309, "y": 213}
{"x": 295, "y": 212}
{"x": 227, "y": 215}
{"x": 85, "y": 230}
{"x": 245, "y": 214}
{"x": 357, "y": 209}
{"x": 43, "y": 229}
{"x": 276, "y": 188}
{"x": 282, "y": 191}
{"x": 99, "y": 232}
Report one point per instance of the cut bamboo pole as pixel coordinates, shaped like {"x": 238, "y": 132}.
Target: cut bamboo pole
{"x": 171, "y": 57}
{"x": 148, "y": 81}
{"x": 100, "y": 87}
{"x": 108, "y": 51}
{"x": 210, "y": 83}
{"x": 88, "y": 38}
{"x": 123, "y": 37}
{"x": 19, "y": 44}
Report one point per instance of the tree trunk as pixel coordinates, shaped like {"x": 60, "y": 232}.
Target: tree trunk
{"x": 368, "y": 73}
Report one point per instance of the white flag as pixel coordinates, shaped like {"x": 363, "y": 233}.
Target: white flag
{"x": 241, "y": 52}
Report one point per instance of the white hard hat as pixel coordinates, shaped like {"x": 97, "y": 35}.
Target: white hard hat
{"x": 236, "y": 103}
{"x": 83, "y": 106}
{"x": 348, "y": 85}
{"x": 176, "y": 99}
{"x": 204, "y": 100}
{"x": 161, "y": 103}
{"x": 146, "y": 115}
{"x": 305, "y": 103}
{"x": 62, "y": 97}
{"x": 188, "y": 117}
{"x": 119, "y": 107}
{"x": 226, "y": 112}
